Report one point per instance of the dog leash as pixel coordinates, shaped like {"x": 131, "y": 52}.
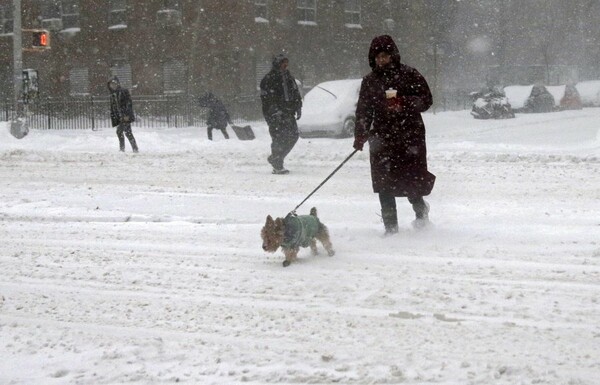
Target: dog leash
{"x": 293, "y": 212}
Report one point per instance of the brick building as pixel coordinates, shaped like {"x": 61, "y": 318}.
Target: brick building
{"x": 190, "y": 46}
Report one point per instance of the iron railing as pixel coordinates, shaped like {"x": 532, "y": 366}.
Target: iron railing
{"x": 152, "y": 111}
{"x": 161, "y": 111}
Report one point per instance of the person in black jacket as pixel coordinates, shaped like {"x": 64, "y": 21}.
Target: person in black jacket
{"x": 281, "y": 106}
{"x": 121, "y": 113}
{"x": 218, "y": 117}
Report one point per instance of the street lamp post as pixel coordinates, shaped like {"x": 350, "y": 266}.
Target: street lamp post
{"x": 18, "y": 126}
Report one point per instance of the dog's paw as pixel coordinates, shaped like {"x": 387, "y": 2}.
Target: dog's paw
{"x": 286, "y": 263}
{"x": 331, "y": 253}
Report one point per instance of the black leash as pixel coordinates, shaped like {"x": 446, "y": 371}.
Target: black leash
{"x": 325, "y": 181}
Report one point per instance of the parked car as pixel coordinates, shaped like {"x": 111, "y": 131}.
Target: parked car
{"x": 328, "y": 109}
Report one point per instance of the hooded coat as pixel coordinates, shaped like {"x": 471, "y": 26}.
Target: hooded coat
{"x": 398, "y": 153}
{"x": 120, "y": 104}
{"x": 279, "y": 92}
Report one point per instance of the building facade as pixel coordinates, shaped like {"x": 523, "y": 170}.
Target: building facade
{"x": 187, "y": 47}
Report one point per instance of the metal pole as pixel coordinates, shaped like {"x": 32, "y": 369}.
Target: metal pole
{"x": 17, "y": 58}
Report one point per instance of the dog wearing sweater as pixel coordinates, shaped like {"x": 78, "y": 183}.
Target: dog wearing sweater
{"x": 295, "y": 231}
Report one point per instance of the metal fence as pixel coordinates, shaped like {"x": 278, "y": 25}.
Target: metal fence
{"x": 161, "y": 111}
{"x": 152, "y": 111}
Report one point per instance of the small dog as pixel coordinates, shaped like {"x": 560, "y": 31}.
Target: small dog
{"x": 295, "y": 231}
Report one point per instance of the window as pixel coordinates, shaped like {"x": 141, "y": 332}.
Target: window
{"x": 174, "y": 79}
{"x": 263, "y": 66}
{"x": 307, "y": 12}
{"x": 70, "y": 14}
{"x": 170, "y": 14}
{"x": 123, "y": 72}
{"x": 309, "y": 76}
{"x": 80, "y": 81}
{"x": 6, "y": 19}
{"x": 352, "y": 12}
{"x": 51, "y": 9}
{"x": 117, "y": 14}
{"x": 261, "y": 14}
{"x": 172, "y": 4}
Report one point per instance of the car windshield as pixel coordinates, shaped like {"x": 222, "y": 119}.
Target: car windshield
{"x": 331, "y": 92}
{"x": 319, "y": 96}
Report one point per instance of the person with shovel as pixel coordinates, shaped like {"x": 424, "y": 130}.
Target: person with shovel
{"x": 218, "y": 116}
{"x": 391, "y": 100}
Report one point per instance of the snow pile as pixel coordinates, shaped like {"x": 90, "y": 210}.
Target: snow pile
{"x": 517, "y": 95}
{"x": 590, "y": 92}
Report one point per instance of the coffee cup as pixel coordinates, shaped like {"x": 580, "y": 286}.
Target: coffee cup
{"x": 391, "y": 93}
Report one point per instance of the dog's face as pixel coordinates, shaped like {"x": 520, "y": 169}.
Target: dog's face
{"x": 272, "y": 234}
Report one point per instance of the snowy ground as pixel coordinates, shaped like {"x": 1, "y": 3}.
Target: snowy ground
{"x": 148, "y": 268}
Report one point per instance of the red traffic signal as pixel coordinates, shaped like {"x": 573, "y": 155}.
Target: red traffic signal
{"x": 41, "y": 39}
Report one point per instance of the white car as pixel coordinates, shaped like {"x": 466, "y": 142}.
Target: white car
{"x": 328, "y": 109}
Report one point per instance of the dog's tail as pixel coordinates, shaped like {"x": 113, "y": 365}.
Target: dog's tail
{"x": 313, "y": 211}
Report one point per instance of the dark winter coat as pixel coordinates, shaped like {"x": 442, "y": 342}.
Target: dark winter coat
{"x": 398, "y": 152}
{"x": 540, "y": 100}
{"x": 218, "y": 117}
{"x": 279, "y": 93}
{"x": 121, "y": 105}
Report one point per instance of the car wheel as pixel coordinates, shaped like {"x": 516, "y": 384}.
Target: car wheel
{"x": 348, "y": 128}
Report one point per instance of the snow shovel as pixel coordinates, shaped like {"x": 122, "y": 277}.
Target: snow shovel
{"x": 243, "y": 133}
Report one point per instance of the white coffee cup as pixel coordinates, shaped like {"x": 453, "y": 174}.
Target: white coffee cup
{"x": 391, "y": 93}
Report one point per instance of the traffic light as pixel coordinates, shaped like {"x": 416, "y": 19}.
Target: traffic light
{"x": 41, "y": 39}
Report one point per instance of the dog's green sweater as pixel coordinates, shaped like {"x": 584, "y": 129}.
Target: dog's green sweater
{"x": 299, "y": 230}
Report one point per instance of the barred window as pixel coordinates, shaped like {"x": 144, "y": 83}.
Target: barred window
{"x": 352, "y": 12}
{"x": 79, "y": 81}
{"x": 6, "y": 19}
{"x": 117, "y": 14}
{"x": 261, "y": 10}
{"x": 123, "y": 72}
{"x": 307, "y": 11}
{"x": 70, "y": 13}
{"x": 309, "y": 75}
{"x": 174, "y": 79}
{"x": 262, "y": 68}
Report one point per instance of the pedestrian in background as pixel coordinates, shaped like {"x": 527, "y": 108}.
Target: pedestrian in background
{"x": 392, "y": 98}
{"x": 121, "y": 113}
{"x": 281, "y": 106}
{"x": 218, "y": 117}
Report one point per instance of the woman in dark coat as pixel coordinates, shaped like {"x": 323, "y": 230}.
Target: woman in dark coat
{"x": 396, "y": 139}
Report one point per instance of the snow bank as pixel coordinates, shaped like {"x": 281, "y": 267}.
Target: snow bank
{"x": 517, "y": 95}
{"x": 590, "y": 92}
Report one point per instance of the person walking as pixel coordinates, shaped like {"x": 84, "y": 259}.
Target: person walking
{"x": 391, "y": 99}
{"x": 121, "y": 113}
{"x": 281, "y": 106}
{"x": 218, "y": 117}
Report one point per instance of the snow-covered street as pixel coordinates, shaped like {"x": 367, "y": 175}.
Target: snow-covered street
{"x": 147, "y": 268}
